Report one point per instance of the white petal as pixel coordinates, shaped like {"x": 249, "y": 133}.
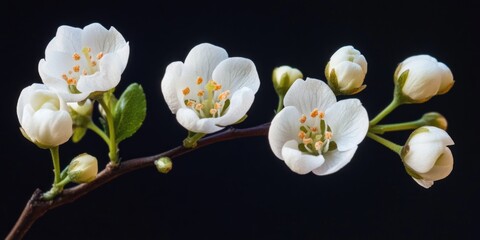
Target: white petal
{"x": 236, "y": 73}
{"x": 67, "y": 39}
{"x": 349, "y": 122}
{"x": 349, "y": 75}
{"x": 108, "y": 76}
{"x": 299, "y": 162}
{"x": 57, "y": 63}
{"x": 284, "y": 127}
{"x": 190, "y": 120}
{"x": 422, "y": 156}
{"x": 442, "y": 168}
{"x": 240, "y": 103}
{"x": 434, "y": 134}
{"x": 424, "y": 183}
{"x": 203, "y": 59}
{"x": 172, "y": 74}
{"x": 334, "y": 161}
{"x": 53, "y": 128}
{"x": 309, "y": 94}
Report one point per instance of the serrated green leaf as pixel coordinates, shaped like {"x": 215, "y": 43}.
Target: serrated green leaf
{"x": 130, "y": 111}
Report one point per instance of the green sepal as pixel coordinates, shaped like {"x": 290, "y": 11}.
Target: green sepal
{"x": 129, "y": 112}
{"x": 78, "y": 134}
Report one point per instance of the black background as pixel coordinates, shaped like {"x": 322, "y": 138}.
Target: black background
{"x": 239, "y": 189}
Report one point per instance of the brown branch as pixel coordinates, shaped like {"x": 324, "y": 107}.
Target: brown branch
{"x": 35, "y": 207}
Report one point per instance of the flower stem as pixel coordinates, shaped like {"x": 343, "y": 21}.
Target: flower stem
{"x": 380, "y": 129}
{"x": 280, "y": 103}
{"x": 394, "y": 104}
{"x": 56, "y": 171}
{"x": 191, "y": 142}
{"x": 112, "y": 143}
{"x": 92, "y": 126}
{"x": 390, "y": 145}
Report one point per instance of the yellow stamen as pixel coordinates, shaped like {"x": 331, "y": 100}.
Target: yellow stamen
{"x": 328, "y": 135}
{"x": 72, "y": 81}
{"x": 99, "y": 55}
{"x": 201, "y": 93}
{"x": 303, "y": 119}
{"x": 199, "y": 80}
{"x": 301, "y": 135}
{"x": 223, "y": 95}
{"x": 313, "y": 129}
{"x": 76, "y": 56}
{"x": 93, "y": 63}
{"x": 186, "y": 91}
{"x": 190, "y": 103}
{"x": 321, "y": 115}
{"x": 64, "y": 76}
{"x": 217, "y": 87}
{"x": 198, "y": 106}
{"x": 307, "y": 141}
{"x": 217, "y": 105}
{"x": 213, "y": 111}
{"x": 318, "y": 145}
{"x": 76, "y": 68}
{"x": 84, "y": 72}
{"x": 314, "y": 113}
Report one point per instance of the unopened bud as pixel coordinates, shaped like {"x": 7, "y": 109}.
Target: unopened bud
{"x": 83, "y": 168}
{"x": 283, "y": 77}
{"x": 164, "y": 164}
{"x": 435, "y": 119}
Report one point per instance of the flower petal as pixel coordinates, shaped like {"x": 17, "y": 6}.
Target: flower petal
{"x": 434, "y": 134}
{"x": 190, "y": 120}
{"x": 334, "y": 161}
{"x": 299, "y": 162}
{"x": 422, "y": 156}
{"x": 349, "y": 122}
{"x": 108, "y": 76}
{"x": 284, "y": 127}
{"x": 424, "y": 183}
{"x": 67, "y": 39}
{"x": 309, "y": 94}
{"x": 48, "y": 125}
{"x": 240, "y": 103}
{"x": 235, "y": 73}
{"x": 172, "y": 74}
{"x": 442, "y": 168}
{"x": 203, "y": 59}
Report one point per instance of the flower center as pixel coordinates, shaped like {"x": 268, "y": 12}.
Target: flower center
{"x": 315, "y": 139}
{"x": 85, "y": 64}
{"x": 209, "y": 101}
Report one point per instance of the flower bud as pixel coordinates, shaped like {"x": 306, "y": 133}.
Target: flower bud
{"x": 421, "y": 77}
{"x": 164, "y": 164}
{"x": 426, "y": 156}
{"x": 43, "y": 116}
{"x": 84, "y": 108}
{"x": 435, "y": 119}
{"x": 283, "y": 77}
{"x": 83, "y": 168}
{"x": 346, "y": 71}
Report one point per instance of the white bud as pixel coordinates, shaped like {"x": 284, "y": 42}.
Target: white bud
{"x": 163, "y": 164}
{"x": 283, "y": 77}
{"x": 346, "y": 70}
{"x": 83, "y": 168}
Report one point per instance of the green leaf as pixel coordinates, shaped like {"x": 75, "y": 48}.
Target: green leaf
{"x": 129, "y": 112}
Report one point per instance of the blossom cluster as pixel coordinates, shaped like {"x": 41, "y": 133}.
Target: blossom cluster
{"x": 317, "y": 126}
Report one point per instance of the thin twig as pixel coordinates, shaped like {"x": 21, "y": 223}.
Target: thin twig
{"x": 35, "y": 207}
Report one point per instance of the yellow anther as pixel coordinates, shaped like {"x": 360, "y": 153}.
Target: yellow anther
{"x": 314, "y": 113}
{"x": 93, "y": 63}
{"x": 198, "y": 106}
{"x": 307, "y": 141}
{"x": 223, "y": 95}
{"x": 213, "y": 111}
{"x": 71, "y": 81}
{"x": 76, "y": 56}
{"x": 321, "y": 115}
{"x": 199, "y": 80}
{"x": 303, "y": 119}
{"x": 318, "y": 145}
{"x": 217, "y": 87}
{"x": 201, "y": 93}
{"x": 190, "y": 103}
{"x": 76, "y": 68}
{"x": 186, "y": 91}
{"x": 99, "y": 55}
{"x": 313, "y": 129}
{"x": 217, "y": 105}
{"x": 301, "y": 135}
{"x": 328, "y": 135}
{"x": 84, "y": 72}
{"x": 64, "y": 76}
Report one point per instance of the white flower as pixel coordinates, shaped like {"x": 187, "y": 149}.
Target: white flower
{"x": 283, "y": 77}
{"x": 44, "y": 116}
{"x": 349, "y": 67}
{"x": 209, "y": 90}
{"x": 83, "y": 168}
{"x": 79, "y": 62}
{"x": 426, "y": 155}
{"x": 314, "y": 132}
{"x": 426, "y": 78}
